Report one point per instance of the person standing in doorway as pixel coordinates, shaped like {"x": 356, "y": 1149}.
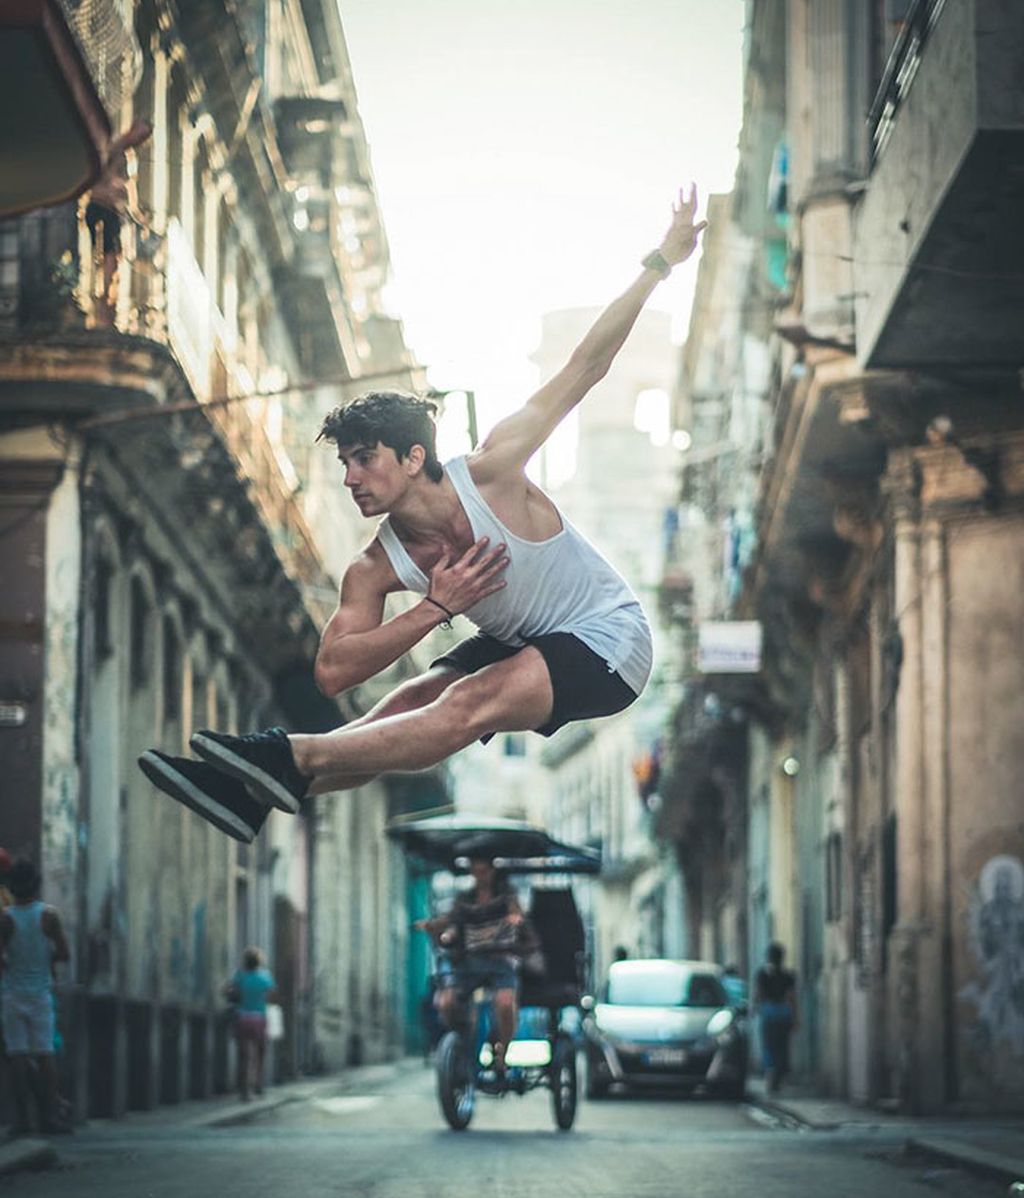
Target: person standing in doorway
{"x": 112, "y": 198}
{"x": 775, "y": 997}
{"x": 251, "y": 989}
{"x": 32, "y": 941}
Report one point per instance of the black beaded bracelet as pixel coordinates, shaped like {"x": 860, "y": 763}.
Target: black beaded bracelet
{"x": 449, "y": 615}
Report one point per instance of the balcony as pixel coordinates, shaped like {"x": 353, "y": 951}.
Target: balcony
{"x": 74, "y": 60}
{"x": 213, "y": 468}
{"x": 938, "y": 243}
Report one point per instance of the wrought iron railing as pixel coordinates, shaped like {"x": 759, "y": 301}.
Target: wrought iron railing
{"x": 900, "y": 71}
{"x": 104, "y": 33}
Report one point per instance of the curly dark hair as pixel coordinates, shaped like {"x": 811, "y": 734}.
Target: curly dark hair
{"x": 392, "y": 418}
{"x": 24, "y": 881}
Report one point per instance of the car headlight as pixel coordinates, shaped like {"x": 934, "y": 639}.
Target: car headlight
{"x": 720, "y": 1022}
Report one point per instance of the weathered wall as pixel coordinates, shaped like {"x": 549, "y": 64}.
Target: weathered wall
{"x": 60, "y": 767}
{"x": 986, "y": 823}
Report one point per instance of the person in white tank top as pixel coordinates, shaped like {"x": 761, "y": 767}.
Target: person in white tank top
{"x": 561, "y": 636}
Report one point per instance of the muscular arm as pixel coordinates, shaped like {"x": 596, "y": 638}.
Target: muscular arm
{"x": 356, "y": 642}
{"x": 514, "y": 441}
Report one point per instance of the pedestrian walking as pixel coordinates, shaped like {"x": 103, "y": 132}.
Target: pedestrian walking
{"x": 561, "y": 635}
{"x": 775, "y": 999}
{"x": 32, "y": 942}
{"x": 250, "y": 991}
{"x": 112, "y": 198}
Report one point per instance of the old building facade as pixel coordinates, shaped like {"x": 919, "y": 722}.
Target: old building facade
{"x": 876, "y": 753}
{"x": 171, "y": 547}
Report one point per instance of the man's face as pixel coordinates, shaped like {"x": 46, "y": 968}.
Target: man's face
{"x": 374, "y": 475}
{"x": 482, "y": 870}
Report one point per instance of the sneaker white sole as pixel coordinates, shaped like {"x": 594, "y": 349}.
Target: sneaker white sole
{"x": 166, "y": 778}
{"x": 263, "y": 786}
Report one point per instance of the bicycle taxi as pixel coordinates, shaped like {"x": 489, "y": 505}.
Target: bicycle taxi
{"x": 543, "y": 1051}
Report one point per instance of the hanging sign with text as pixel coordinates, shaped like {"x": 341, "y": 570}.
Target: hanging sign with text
{"x": 729, "y": 647}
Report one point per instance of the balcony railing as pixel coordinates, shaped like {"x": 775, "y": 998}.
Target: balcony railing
{"x": 900, "y": 71}
{"x": 107, "y": 41}
{"x": 52, "y": 288}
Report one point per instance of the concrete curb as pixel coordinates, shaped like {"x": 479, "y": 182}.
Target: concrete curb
{"x": 978, "y": 1160}
{"x": 244, "y": 1112}
{"x": 787, "y": 1113}
{"x": 26, "y": 1154}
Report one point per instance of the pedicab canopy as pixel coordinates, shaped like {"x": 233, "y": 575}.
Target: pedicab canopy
{"x": 449, "y": 841}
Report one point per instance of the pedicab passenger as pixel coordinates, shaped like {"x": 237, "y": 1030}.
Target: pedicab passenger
{"x": 488, "y": 935}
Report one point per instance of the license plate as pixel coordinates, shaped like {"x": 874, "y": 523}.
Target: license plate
{"x": 666, "y": 1056}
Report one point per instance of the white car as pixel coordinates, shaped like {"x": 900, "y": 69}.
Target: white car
{"x": 666, "y": 1023}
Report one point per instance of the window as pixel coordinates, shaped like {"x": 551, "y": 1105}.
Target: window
{"x": 833, "y": 877}
{"x": 172, "y": 671}
{"x": 139, "y": 663}
{"x": 102, "y": 645}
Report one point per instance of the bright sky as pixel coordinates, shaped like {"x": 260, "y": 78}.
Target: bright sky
{"x": 526, "y": 156}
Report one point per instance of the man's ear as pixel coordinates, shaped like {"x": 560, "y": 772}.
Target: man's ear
{"x": 414, "y": 460}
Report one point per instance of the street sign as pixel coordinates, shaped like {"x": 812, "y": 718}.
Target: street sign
{"x": 729, "y": 647}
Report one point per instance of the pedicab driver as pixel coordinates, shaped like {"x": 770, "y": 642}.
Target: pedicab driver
{"x": 561, "y": 635}
{"x": 487, "y": 935}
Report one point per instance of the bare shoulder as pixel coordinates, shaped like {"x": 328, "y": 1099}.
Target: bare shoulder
{"x": 490, "y": 467}
{"x": 371, "y": 572}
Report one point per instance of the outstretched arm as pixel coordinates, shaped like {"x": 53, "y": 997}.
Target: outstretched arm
{"x": 514, "y": 441}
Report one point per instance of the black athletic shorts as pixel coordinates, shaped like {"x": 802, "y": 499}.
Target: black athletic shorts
{"x": 584, "y": 688}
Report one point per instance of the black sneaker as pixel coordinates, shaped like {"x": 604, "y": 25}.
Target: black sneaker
{"x": 221, "y": 800}
{"x": 262, "y": 760}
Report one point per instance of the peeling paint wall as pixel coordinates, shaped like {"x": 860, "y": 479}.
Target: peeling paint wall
{"x": 60, "y": 826}
{"x": 986, "y": 828}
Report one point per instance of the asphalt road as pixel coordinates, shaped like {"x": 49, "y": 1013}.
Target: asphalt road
{"x": 386, "y": 1139}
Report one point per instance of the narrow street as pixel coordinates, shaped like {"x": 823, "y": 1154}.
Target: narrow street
{"x": 386, "y": 1138}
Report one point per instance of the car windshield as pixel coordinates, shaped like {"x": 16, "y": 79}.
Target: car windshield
{"x": 663, "y": 985}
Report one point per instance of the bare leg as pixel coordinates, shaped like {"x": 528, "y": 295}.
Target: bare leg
{"x": 244, "y": 1056}
{"x": 511, "y": 695}
{"x": 506, "y": 1012}
{"x": 47, "y": 1065}
{"x": 258, "y": 1050}
{"x": 21, "y": 1075}
{"x": 409, "y": 696}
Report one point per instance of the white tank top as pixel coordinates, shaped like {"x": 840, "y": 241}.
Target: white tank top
{"x": 559, "y": 585}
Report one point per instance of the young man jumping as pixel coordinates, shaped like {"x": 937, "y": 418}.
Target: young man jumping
{"x": 562, "y": 637}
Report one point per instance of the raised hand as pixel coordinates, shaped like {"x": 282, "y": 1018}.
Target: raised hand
{"x": 459, "y": 585}
{"x": 681, "y": 239}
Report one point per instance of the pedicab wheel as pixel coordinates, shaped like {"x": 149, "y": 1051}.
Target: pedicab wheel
{"x": 563, "y": 1082}
{"x": 455, "y": 1082}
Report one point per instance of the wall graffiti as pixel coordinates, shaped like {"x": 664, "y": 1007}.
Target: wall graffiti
{"x": 996, "y": 937}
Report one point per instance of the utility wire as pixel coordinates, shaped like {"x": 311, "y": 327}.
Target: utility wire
{"x": 138, "y": 412}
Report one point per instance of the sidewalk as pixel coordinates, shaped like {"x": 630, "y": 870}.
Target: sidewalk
{"x": 992, "y": 1146}
{"x": 211, "y": 1113}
